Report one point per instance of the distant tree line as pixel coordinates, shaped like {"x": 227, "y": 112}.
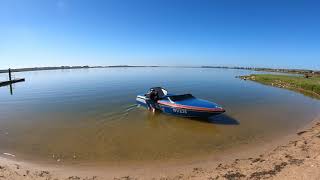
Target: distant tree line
{"x": 306, "y": 72}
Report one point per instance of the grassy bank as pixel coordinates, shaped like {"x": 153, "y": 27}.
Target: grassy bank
{"x": 309, "y": 86}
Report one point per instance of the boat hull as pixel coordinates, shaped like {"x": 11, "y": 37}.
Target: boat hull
{"x": 181, "y": 110}
{"x": 187, "y": 112}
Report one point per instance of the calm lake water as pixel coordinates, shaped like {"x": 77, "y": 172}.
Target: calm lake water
{"x": 89, "y": 115}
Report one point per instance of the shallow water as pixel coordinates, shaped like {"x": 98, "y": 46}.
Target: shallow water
{"x": 89, "y": 115}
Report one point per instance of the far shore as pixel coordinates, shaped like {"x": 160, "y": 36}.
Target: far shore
{"x": 278, "y": 70}
{"x": 66, "y": 67}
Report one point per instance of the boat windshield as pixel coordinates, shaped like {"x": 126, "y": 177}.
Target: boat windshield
{"x": 181, "y": 97}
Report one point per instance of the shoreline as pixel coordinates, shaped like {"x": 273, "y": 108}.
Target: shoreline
{"x": 277, "y": 159}
{"x": 292, "y": 84}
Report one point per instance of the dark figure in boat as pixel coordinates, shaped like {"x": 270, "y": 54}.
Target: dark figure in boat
{"x": 152, "y": 97}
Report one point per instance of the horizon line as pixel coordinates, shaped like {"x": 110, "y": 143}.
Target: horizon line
{"x": 296, "y": 70}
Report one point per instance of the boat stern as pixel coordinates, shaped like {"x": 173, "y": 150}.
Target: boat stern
{"x": 141, "y": 100}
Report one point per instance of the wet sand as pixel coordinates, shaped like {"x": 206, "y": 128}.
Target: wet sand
{"x": 296, "y": 156}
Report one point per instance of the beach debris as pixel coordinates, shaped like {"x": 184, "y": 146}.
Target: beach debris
{"x": 180, "y": 176}
{"x": 58, "y": 160}
{"x": 236, "y": 161}
{"x": 125, "y": 178}
{"x": 74, "y": 178}
{"x": 297, "y": 162}
{"x": 234, "y": 175}
{"x": 44, "y": 173}
{"x": 293, "y": 142}
{"x": 92, "y": 178}
{"x": 8, "y": 154}
{"x": 221, "y": 167}
{"x": 257, "y": 160}
{"x": 269, "y": 173}
{"x": 288, "y": 156}
{"x": 197, "y": 170}
{"x": 301, "y": 132}
{"x": 74, "y": 156}
{"x": 214, "y": 178}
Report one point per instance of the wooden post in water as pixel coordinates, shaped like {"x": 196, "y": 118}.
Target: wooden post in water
{"x": 9, "y": 70}
{"x": 11, "y": 89}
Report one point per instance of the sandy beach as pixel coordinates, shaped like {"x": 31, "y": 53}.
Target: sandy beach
{"x": 294, "y": 157}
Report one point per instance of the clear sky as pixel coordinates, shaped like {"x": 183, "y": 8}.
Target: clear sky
{"x": 264, "y": 33}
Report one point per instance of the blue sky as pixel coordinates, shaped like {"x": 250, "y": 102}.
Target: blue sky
{"x": 264, "y": 33}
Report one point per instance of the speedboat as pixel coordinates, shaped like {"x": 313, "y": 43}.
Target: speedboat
{"x": 184, "y": 105}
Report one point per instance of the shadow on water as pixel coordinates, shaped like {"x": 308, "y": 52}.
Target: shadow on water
{"x": 221, "y": 119}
